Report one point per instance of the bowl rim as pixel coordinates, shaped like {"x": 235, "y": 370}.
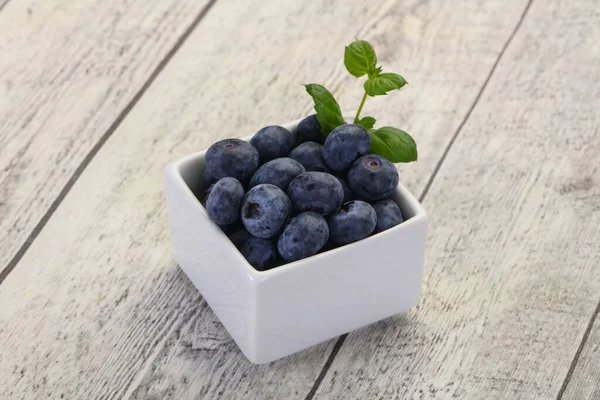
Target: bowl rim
{"x": 173, "y": 169}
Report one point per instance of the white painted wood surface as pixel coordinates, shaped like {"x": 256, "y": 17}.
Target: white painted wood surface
{"x": 3, "y": 3}
{"x": 120, "y": 314}
{"x": 512, "y": 279}
{"x": 67, "y": 69}
{"x": 511, "y": 276}
{"x": 584, "y": 383}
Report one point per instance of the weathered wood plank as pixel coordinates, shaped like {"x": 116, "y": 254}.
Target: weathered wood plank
{"x": 512, "y": 263}
{"x": 67, "y": 69}
{"x": 584, "y": 383}
{"x": 3, "y": 3}
{"x": 120, "y": 318}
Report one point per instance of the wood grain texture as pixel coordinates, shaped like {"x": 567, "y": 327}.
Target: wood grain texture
{"x": 511, "y": 277}
{"x": 445, "y": 50}
{"x": 67, "y": 69}
{"x": 584, "y": 383}
{"x": 119, "y": 319}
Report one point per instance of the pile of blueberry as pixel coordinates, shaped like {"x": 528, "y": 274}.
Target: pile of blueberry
{"x": 305, "y": 193}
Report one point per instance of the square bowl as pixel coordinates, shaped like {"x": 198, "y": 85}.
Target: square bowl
{"x": 275, "y": 313}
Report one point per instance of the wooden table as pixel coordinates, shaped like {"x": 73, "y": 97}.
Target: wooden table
{"x": 96, "y": 96}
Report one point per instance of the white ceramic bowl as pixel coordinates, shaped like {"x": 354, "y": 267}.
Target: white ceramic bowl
{"x": 278, "y": 312}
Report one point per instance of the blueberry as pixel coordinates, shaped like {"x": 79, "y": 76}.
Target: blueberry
{"x": 344, "y": 145}
{"x": 232, "y": 158}
{"x": 206, "y": 194}
{"x": 315, "y": 191}
{"x": 272, "y": 142}
{"x": 330, "y": 245}
{"x": 388, "y": 214}
{"x": 260, "y": 253}
{"x": 230, "y": 229}
{"x": 278, "y": 172}
{"x": 239, "y": 237}
{"x": 354, "y": 221}
{"x": 310, "y": 155}
{"x": 309, "y": 130}
{"x": 206, "y": 183}
{"x": 348, "y": 194}
{"x": 303, "y": 237}
{"x": 266, "y": 209}
{"x": 224, "y": 201}
{"x": 207, "y": 179}
{"x": 373, "y": 177}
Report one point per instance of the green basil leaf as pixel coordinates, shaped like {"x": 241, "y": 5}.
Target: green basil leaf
{"x": 393, "y": 144}
{"x": 383, "y": 83}
{"x": 366, "y": 122}
{"x": 360, "y": 58}
{"x": 328, "y": 110}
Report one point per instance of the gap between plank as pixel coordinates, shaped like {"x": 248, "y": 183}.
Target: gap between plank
{"x": 575, "y": 361}
{"x": 341, "y": 339}
{"x": 325, "y": 369}
{"x": 113, "y": 127}
{"x": 4, "y": 5}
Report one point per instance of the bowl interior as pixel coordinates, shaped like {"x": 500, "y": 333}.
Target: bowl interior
{"x": 191, "y": 169}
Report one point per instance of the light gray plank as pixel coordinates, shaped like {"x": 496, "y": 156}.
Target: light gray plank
{"x": 67, "y": 69}
{"x": 119, "y": 319}
{"x": 584, "y": 383}
{"x": 511, "y": 276}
